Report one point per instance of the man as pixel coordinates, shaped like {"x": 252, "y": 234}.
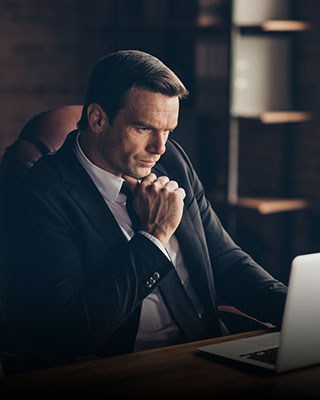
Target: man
{"x": 85, "y": 279}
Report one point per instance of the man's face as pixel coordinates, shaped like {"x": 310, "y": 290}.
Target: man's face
{"x": 136, "y": 139}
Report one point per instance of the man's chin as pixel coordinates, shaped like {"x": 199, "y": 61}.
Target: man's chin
{"x": 140, "y": 173}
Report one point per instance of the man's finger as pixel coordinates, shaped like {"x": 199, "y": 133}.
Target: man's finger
{"x": 150, "y": 178}
{"x": 163, "y": 179}
{"x": 182, "y": 192}
{"x": 172, "y": 185}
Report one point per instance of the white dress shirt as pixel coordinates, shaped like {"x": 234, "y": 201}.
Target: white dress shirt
{"x": 156, "y": 328}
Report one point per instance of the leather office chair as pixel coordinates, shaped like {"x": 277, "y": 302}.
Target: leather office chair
{"x": 42, "y": 134}
{"x": 2, "y": 333}
{"x": 8, "y": 358}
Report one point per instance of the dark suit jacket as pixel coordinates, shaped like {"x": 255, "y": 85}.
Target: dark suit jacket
{"x": 77, "y": 285}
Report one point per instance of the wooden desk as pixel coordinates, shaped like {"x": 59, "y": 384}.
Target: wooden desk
{"x": 176, "y": 371}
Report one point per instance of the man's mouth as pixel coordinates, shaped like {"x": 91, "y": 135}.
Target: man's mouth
{"x": 147, "y": 163}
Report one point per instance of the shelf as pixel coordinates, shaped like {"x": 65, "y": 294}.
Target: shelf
{"x": 282, "y": 25}
{"x": 277, "y": 117}
{"x": 277, "y": 26}
{"x": 264, "y": 205}
{"x": 272, "y": 205}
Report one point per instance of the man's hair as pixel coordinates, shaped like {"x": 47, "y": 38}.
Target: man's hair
{"x": 115, "y": 74}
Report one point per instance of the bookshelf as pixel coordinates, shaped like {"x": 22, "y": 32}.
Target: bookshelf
{"x": 261, "y": 87}
{"x": 243, "y": 72}
{"x": 263, "y": 105}
{"x": 245, "y": 79}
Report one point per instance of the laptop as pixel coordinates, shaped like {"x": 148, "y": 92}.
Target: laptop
{"x": 298, "y": 343}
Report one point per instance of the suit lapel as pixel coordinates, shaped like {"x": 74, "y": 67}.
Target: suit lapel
{"x": 86, "y": 195}
{"x": 195, "y": 256}
{"x": 197, "y": 261}
{"x": 159, "y": 170}
{"x": 98, "y": 213}
{"x": 194, "y": 250}
{"x": 182, "y": 308}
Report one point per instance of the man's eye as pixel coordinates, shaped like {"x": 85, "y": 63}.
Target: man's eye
{"x": 143, "y": 129}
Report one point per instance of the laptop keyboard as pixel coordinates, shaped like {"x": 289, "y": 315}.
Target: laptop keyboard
{"x": 268, "y": 356}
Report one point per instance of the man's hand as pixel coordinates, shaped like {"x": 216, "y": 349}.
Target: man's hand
{"x": 159, "y": 204}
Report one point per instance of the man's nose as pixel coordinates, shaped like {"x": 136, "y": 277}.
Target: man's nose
{"x": 158, "y": 144}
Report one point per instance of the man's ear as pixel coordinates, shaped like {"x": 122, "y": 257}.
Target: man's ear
{"x": 97, "y": 118}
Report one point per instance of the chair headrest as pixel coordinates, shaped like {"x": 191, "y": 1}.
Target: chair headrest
{"x": 42, "y": 134}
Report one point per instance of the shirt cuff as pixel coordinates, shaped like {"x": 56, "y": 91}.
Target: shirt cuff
{"x": 156, "y": 242}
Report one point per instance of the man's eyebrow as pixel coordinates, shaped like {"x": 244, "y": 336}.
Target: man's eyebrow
{"x": 142, "y": 123}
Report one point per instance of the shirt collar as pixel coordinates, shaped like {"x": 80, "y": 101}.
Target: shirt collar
{"x": 108, "y": 184}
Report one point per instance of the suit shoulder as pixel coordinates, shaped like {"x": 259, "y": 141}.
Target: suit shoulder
{"x": 176, "y": 154}
{"x": 41, "y": 176}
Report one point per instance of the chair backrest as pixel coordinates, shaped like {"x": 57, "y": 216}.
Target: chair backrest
{"x": 42, "y": 134}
